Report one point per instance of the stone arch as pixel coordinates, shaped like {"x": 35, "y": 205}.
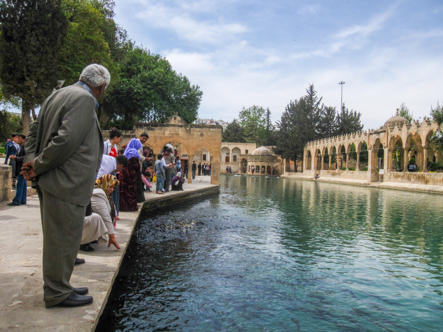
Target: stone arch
{"x": 236, "y": 152}
{"x": 225, "y": 154}
{"x": 317, "y": 160}
{"x": 432, "y": 154}
{"x": 414, "y": 152}
{"x": 341, "y": 156}
{"x": 362, "y": 156}
{"x": 308, "y": 162}
{"x": 326, "y": 158}
{"x": 334, "y": 163}
{"x": 396, "y": 154}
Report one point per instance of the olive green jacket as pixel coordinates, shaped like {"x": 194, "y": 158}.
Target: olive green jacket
{"x": 66, "y": 145}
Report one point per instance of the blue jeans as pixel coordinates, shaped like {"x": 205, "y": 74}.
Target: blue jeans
{"x": 193, "y": 174}
{"x": 21, "y": 192}
{"x": 160, "y": 181}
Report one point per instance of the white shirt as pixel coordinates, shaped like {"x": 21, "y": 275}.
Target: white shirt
{"x": 107, "y": 166}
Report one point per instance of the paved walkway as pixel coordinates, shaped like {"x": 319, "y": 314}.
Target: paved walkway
{"x": 21, "y": 283}
{"x": 431, "y": 189}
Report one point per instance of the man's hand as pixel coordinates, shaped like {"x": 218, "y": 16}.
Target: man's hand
{"x": 28, "y": 171}
{"x": 113, "y": 241}
{"x": 12, "y": 157}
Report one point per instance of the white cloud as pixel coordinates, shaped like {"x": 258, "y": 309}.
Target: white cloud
{"x": 183, "y": 19}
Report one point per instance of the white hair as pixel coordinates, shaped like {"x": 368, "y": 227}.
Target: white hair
{"x": 95, "y": 75}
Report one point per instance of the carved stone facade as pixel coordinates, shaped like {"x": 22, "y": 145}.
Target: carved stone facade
{"x": 201, "y": 143}
{"x": 377, "y": 155}
{"x": 233, "y": 155}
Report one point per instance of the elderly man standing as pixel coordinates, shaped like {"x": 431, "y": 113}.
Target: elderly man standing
{"x": 64, "y": 150}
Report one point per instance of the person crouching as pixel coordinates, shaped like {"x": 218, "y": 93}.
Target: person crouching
{"x": 177, "y": 181}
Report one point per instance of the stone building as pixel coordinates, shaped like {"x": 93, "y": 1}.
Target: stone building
{"x": 262, "y": 162}
{"x": 232, "y": 154}
{"x": 197, "y": 142}
{"x": 377, "y": 155}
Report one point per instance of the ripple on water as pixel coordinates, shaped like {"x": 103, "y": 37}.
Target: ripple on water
{"x": 277, "y": 255}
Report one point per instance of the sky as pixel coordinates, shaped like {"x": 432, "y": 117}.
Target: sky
{"x": 267, "y": 53}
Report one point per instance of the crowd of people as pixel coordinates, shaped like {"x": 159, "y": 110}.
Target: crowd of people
{"x": 84, "y": 182}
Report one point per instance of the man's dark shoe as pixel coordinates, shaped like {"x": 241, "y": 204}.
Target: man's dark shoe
{"x": 13, "y": 204}
{"x": 79, "y": 261}
{"x": 86, "y": 247}
{"x": 75, "y": 300}
{"x": 80, "y": 290}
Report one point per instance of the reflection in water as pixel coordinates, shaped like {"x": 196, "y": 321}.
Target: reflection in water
{"x": 281, "y": 255}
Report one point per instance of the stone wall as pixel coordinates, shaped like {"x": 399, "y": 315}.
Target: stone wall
{"x": 192, "y": 142}
{"x": 5, "y": 182}
{"x": 435, "y": 179}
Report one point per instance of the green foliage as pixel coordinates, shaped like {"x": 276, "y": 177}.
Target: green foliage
{"x": 437, "y": 114}
{"x": 435, "y": 166}
{"x": 436, "y": 141}
{"x": 150, "y": 90}
{"x": 351, "y": 169}
{"x": 253, "y": 122}
{"x": 32, "y": 33}
{"x": 348, "y": 122}
{"x": 404, "y": 112}
{"x": 233, "y": 133}
{"x": 343, "y": 169}
{"x": 9, "y": 123}
{"x": 364, "y": 169}
{"x": 85, "y": 42}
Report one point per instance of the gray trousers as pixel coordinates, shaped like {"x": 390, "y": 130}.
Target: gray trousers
{"x": 168, "y": 179}
{"x": 62, "y": 224}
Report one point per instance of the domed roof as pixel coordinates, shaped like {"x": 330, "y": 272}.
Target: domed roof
{"x": 262, "y": 151}
{"x": 395, "y": 119}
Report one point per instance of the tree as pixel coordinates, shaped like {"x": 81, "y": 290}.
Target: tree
{"x": 327, "y": 125}
{"x": 348, "y": 122}
{"x": 253, "y": 122}
{"x": 9, "y": 123}
{"x": 85, "y": 41}
{"x": 404, "y": 112}
{"x": 437, "y": 114}
{"x": 150, "y": 90}
{"x": 233, "y": 133}
{"x": 32, "y": 33}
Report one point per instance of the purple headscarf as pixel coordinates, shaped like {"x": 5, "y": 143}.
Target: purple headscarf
{"x": 132, "y": 149}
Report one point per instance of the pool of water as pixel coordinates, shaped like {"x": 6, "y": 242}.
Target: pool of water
{"x": 271, "y": 254}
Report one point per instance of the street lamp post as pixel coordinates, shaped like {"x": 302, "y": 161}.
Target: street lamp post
{"x": 341, "y": 105}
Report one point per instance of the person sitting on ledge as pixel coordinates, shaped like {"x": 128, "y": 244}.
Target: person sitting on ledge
{"x": 177, "y": 182}
{"x": 99, "y": 221}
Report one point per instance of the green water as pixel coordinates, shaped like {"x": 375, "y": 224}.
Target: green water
{"x": 282, "y": 255}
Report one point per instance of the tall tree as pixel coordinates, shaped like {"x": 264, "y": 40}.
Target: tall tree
{"x": 253, "y": 122}
{"x": 404, "y": 112}
{"x": 327, "y": 125}
{"x": 348, "y": 121}
{"x": 150, "y": 90}
{"x": 32, "y": 34}
{"x": 233, "y": 133}
{"x": 85, "y": 41}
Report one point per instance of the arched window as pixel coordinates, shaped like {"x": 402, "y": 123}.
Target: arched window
{"x": 226, "y": 159}
{"x": 204, "y": 157}
{"x": 234, "y": 158}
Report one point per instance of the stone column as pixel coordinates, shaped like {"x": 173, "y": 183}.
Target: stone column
{"x": 357, "y": 166}
{"x": 347, "y": 160}
{"x": 330, "y": 161}
{"x": 425, "y": 159}
{"x": 405, "y": 160}
{"x": 322, "y": 162}
{"x": 387, "y": 159}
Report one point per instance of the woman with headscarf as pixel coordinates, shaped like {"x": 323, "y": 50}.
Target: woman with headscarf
{"x": 131, "y": 184}
{"x": 100, "y": 221}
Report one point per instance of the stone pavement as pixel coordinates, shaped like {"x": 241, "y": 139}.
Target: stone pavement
{"x": 21, "y": 283}
{"x": 408, "y": 186}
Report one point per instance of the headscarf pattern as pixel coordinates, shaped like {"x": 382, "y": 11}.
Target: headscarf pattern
{"x": 106, "y": 181}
